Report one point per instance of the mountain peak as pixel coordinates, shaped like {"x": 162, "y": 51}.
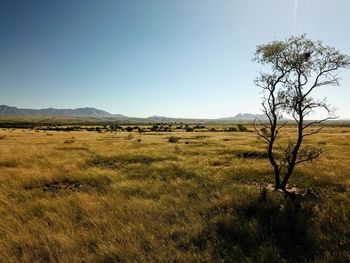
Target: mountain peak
{"x": 78, "y": 112}
{"x": 244, "y": 116}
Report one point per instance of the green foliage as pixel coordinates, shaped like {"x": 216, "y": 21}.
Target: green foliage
{"x": 129, "y": 129}
{"x": 241, "y": 128}
{"x": 155, "y": 128}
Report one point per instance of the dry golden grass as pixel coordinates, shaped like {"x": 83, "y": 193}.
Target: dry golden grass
{"x": 129, "y": 197}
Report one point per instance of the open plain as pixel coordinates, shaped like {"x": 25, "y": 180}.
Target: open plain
{"x": 175, "y": 196}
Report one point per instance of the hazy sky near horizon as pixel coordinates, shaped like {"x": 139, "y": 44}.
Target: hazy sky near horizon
{"x": 183, "y": 58}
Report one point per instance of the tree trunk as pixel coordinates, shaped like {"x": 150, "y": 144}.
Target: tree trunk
{"x": 295, "y": 152}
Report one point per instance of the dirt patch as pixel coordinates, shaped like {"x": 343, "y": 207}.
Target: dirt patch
{"x": 65, "y": 185}
{"x": 113, "y": 162}
{"x": 293, "y": 190}
{"x": 253, "y": 155}
{"x": 271, "y": 188}
{"x": 55, "y": 187}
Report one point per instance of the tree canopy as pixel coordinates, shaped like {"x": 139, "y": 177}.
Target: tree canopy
{"x": 297, "y": 67}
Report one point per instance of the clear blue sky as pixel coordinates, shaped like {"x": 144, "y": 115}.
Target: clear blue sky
{"x": 183, "y": 58}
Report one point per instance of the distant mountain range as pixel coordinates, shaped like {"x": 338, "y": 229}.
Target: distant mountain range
{"x": 244, "y": 116}
{"x": 96, "y": 113}
{"x": 79, "y": 112}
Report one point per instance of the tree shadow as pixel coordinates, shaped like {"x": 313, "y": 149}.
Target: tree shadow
{"x": 266, "y": 229}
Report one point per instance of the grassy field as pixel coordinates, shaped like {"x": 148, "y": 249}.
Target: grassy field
{"x": 136, "y": 197}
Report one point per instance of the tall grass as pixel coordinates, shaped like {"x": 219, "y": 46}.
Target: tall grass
{"x": 107, "y": 199}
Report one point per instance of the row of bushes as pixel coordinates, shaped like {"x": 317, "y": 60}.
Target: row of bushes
{"x": 154, "y": 128}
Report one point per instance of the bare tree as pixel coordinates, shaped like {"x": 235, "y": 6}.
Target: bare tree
{"x": 298, "y": 66}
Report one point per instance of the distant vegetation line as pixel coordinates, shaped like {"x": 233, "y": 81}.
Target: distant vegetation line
{"x": 12, "y": 117}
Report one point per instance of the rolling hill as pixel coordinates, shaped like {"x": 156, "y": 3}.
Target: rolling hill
{"x": 88, "y": 112}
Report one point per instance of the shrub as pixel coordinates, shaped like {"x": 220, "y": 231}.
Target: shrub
{"x": 128, "y": 129}
{"x": 155, "y": 128}
{"x": 173, "y": 139}
{"x": 231, "y": 129}
{"x": 241, "y": 128}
